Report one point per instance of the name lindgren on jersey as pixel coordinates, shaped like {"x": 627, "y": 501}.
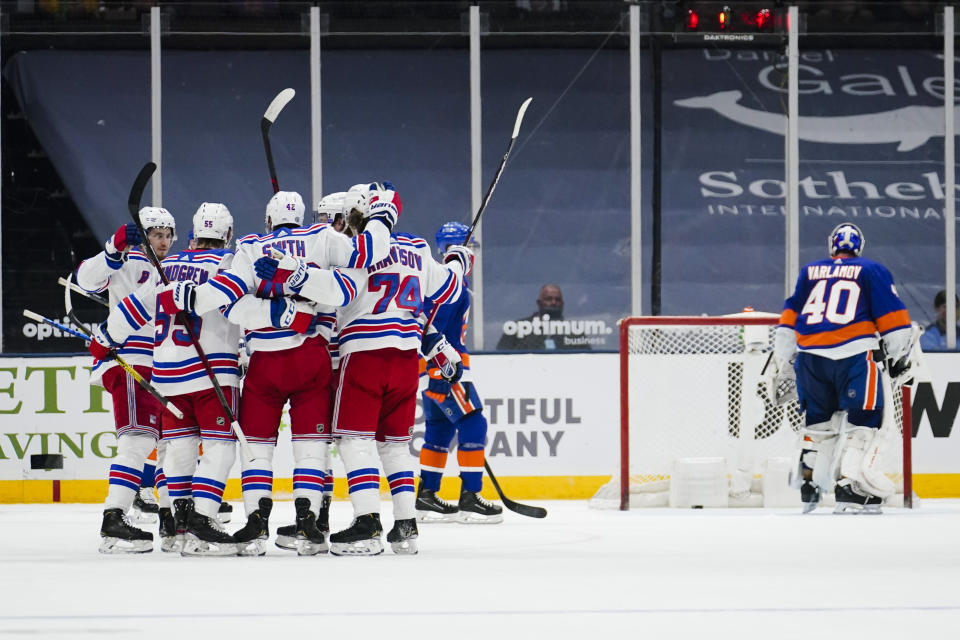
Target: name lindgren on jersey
{"x": 319, "y": 246}
{"x": 96, "y": 275}
{"x": 391, "y": 296}
{"x": 177, "y": 368}
{"x": 840, "y": 304}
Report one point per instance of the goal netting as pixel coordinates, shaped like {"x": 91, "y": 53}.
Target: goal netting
{"x": 698, "y": 427}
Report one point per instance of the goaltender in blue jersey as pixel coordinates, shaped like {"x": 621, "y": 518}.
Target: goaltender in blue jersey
{"x": 828, "y": 353}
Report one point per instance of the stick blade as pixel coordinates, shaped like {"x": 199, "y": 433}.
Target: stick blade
{"x": 525, "y": 509}
{"x": 276, "y": 105}
{"x": 33, "y": 316}
{"x": 520, "y": 113}
{"x": 136, "y": 191}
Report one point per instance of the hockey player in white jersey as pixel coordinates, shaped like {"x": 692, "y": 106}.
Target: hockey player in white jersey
{"x": 379, "y": 340}
{"x": 120, "y": 269}
{"x": 196, "y": 488}
{"x": 290, "y": 361}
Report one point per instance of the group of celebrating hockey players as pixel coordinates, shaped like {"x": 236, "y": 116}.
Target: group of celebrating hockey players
{"x": 335, "y": 325}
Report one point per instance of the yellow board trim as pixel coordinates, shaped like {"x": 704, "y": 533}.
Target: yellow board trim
{"x": 926, "y": 485}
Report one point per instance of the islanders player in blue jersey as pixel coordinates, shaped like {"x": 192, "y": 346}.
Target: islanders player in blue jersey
{"x": 827, "y": 346}
{"x": 453, "y": 408}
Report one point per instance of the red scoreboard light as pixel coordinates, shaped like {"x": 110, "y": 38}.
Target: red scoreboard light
{"x": 692, "y": 20}
{"x": 725, "y": 19}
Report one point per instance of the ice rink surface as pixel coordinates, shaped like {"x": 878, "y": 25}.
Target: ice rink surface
{"x": 579, "y": 573}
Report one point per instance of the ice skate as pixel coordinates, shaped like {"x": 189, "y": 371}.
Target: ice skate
{"x": 225, "y": 514}
{"x": 403, "y": 537}
{"x": 252, "y": 538}
{"x": 286, "y": 537}
{"x": 361, "y": 538}
{"x": 182, "y": 508}
{"x": 168, "y": 532}
{"x": 851, "y": 501}
{"x": 309, "y": 539}
{"x": 475, "y": 510}
{"x": 809, "y": 495}
{"x": 145, "y": 507}
{"x": 119, "y": 536}
{"x": 323, "y": 518}
{"x": 206, "y": 537}
{"x": 431, "y": 508}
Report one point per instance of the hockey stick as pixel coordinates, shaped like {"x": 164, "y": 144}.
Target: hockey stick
{"x": 133, "y": 204}
{"x": 486, "y": 198}
{"x": 523, "y": 509}
{"x": 270, "y": 115}
{"x": 83, "y": 292}
{"x": 169, "y": 406}
{"x": 149, "y": 388}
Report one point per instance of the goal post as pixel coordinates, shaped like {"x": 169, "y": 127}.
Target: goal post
{"x": 698, "y": 426}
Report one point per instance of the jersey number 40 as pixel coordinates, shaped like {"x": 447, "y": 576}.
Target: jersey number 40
{"x": 824, "y": 302}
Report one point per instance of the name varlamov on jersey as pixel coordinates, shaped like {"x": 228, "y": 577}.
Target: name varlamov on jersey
{"x": 846, "y": 271}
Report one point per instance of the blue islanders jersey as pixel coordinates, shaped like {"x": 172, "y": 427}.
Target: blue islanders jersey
{"x": 841, "y": 304}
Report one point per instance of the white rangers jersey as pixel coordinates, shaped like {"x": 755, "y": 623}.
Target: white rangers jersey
{"x": 320, "y": 246}
{"x": 390, "y": 297}
{"x": 177, "y": 369}
{"x": 97, "y": 275}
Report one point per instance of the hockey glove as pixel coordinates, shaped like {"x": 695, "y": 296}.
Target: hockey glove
{"x": 442, "y": 355}
{"x": 177, "y": 296}
{"x": 282, "y": 268}
{"x": 462, "y": 254}
{"x": 785, "y": 385}
{"x": 384, "y": 204}
{"x": 900, "y": 370}
{"x": 102, "y": 346}
{"x": 290, "y": 314}
{"x": 123, "y": 238}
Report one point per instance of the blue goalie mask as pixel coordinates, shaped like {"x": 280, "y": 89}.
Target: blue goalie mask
{"x": 451, "y": 233}
{"x": 846, "y": 237}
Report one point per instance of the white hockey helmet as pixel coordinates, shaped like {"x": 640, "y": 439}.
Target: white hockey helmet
{"x": 151, "y": 217}
{"x": 213, "y": 220}
{"x": 331, "y": 206}
{"x": 285, "y": 207}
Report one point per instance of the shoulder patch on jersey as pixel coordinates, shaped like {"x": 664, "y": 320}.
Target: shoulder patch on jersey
{"x": 249, "y": 238}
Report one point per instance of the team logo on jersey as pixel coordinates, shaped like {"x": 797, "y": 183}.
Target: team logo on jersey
{"x": 221, "y": 421}
{"x": 143, "y": 277}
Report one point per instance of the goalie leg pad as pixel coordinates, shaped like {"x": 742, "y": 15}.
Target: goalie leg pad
{"x": 861, "y": 460}
{"x": 816, "y": 446}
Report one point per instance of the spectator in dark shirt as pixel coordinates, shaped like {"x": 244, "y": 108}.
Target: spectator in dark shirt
{"x": 545, "y": 330}
{"x": 934, "y": 337}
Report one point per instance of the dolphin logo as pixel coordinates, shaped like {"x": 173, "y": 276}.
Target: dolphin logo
{"x": 911, "y": 127}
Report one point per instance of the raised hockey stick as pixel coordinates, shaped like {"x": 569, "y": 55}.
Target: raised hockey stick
{"x": 486, "y": 198}
{"x": 86, "y": 294}
{"x": 269, "y": 116}
{"x": 523, "y": 509}
{"x": 149, "y": 388}
{"x": 133, "y": 204}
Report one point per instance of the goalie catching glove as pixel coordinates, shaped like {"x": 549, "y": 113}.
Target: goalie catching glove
{"x": 102, "y": 345}
{"x": 284, "y": 268}
{"x": 441, "y": 354}
{"x": 122, "y": 239}
{"x": 782, "y": 382}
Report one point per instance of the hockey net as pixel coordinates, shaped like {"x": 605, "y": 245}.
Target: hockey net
{"x": 693, "y": 399}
